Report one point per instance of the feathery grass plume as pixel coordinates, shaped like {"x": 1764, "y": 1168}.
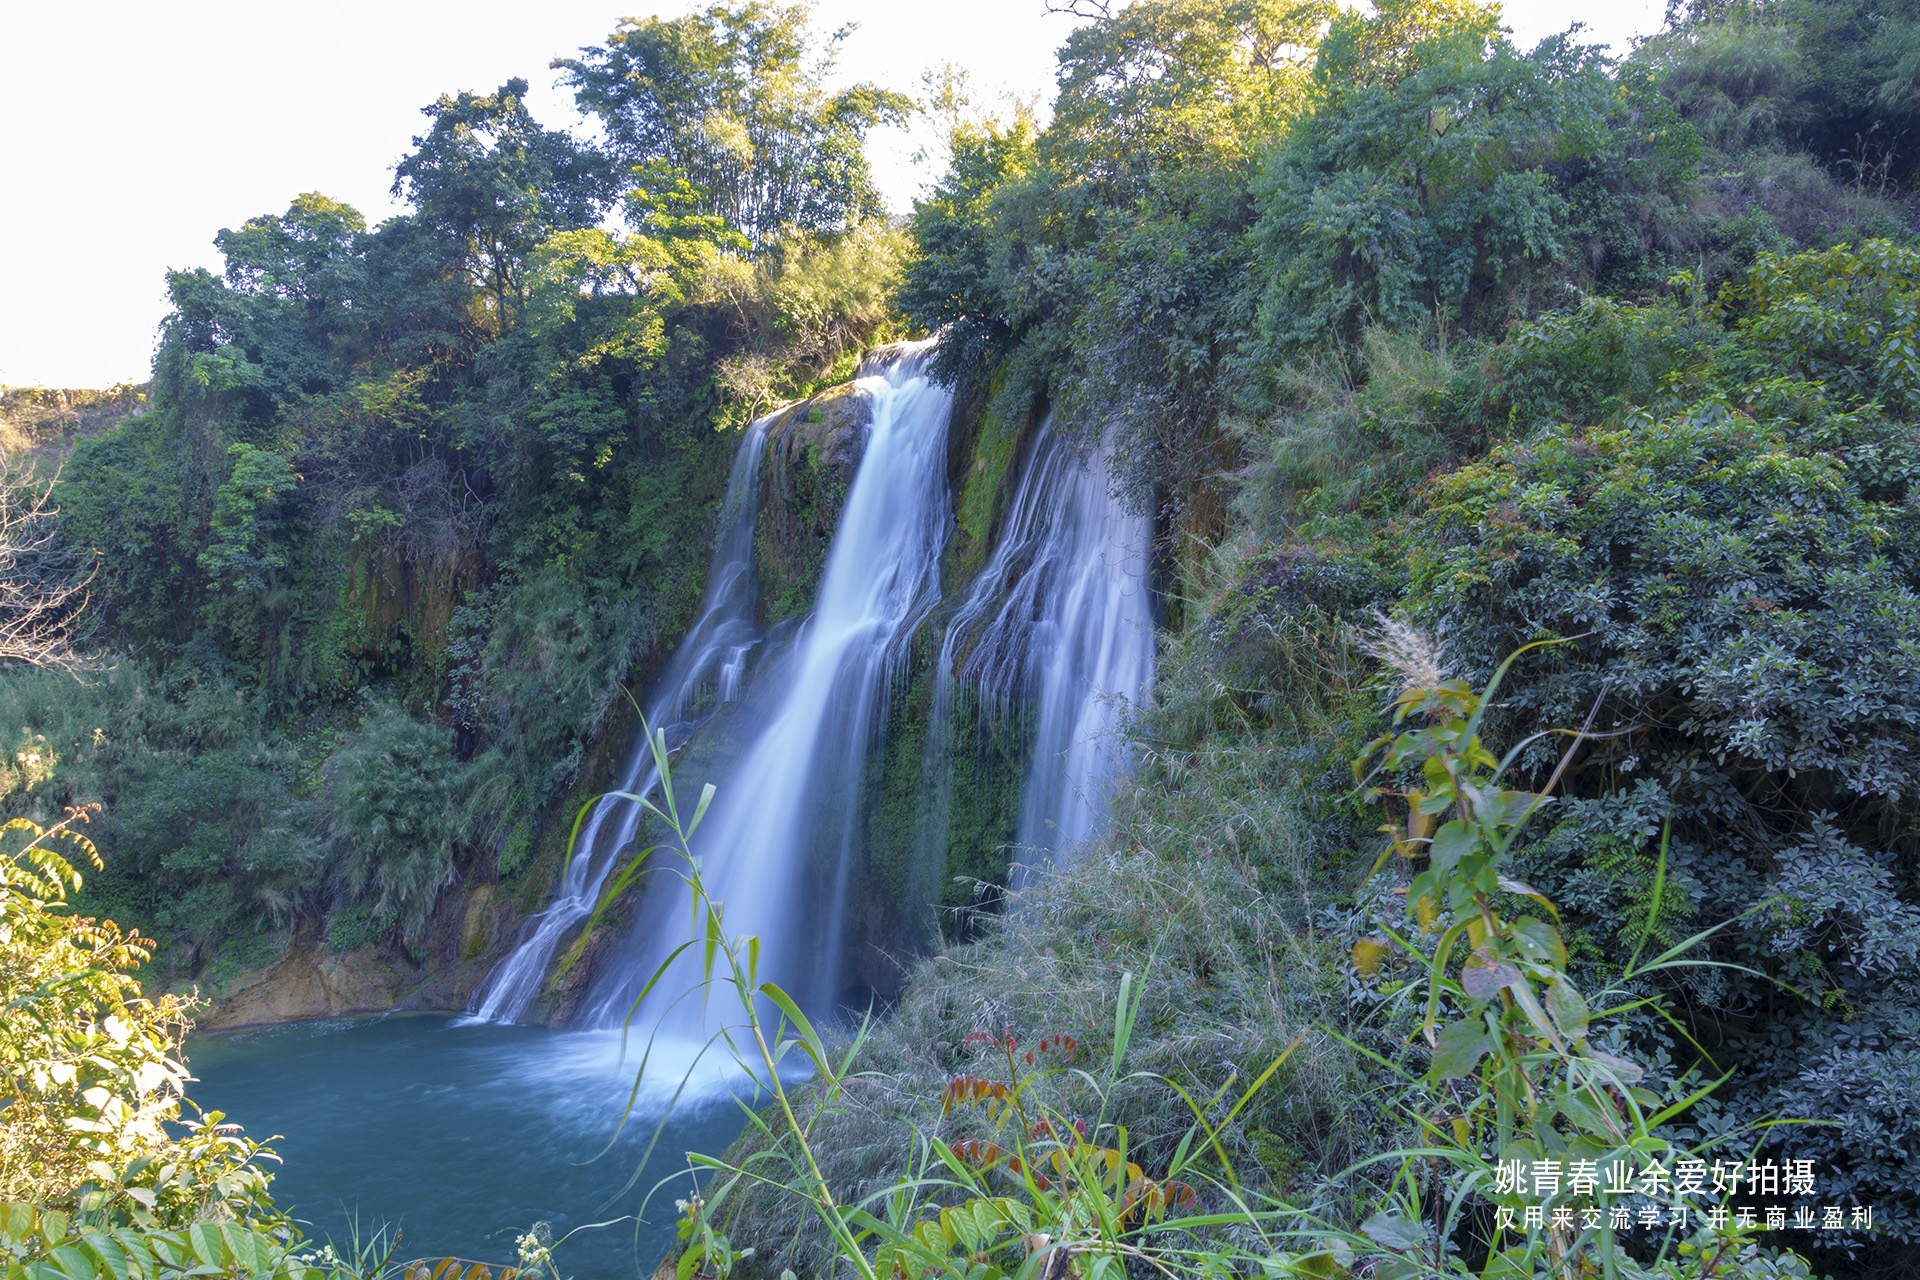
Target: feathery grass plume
{"x": 1414, "y": 659}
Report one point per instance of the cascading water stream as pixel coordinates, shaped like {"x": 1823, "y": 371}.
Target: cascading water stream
{"x": 712, "y": 657}
{"x": 778, "y": 842}
{"x": 1056, "y": 632}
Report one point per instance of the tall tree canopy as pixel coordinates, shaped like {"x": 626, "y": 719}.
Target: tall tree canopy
{"x": 735, "y": 102}
{"x": 494, "y": 184}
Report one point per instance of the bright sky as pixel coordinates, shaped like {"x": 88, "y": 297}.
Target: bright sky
{"x": 133, "y": 131}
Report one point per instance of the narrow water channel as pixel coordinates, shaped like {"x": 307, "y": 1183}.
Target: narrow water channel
{"x": 462, "y": 1136}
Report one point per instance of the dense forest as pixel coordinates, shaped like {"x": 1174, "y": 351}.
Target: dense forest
{"x": 1528, "y": 440}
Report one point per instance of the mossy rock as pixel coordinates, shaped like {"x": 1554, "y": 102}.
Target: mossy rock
{"x": 813, "y": 449}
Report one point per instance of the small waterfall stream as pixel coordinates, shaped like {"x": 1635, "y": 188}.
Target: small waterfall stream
{"x": 1056, "y": 633}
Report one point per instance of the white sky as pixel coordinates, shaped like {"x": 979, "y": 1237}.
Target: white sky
{"x": 131, "y": 132}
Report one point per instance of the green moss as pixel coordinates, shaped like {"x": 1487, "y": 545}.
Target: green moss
{"x": 921, "y": 878}
{"x": 796, "y": 532}
{"x": 808, "y": 470}
{"x": 894, "y": 785}
{"x": 989, "y": 766}
{"x": 517, "y": 850}
{"x": 984, "y": 477}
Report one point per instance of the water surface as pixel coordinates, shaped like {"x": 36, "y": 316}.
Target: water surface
{"x": 462, "y": 1136}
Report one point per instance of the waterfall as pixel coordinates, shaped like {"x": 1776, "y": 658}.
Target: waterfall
{"x": 704, "y": 674}
{"x": 1055, "y": 635}
{"x": 1051, "y": 643}
{"x": 777, "y": 846}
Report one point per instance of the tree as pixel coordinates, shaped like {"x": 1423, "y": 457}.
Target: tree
{"x": 494, "y": 182}
{"x": 734, "y": 100}
{"x": 246, "y": 513}
{"x": 1171, "y": 84}
{"x": 41, "y": 594}
{"x": 310, "y": 254}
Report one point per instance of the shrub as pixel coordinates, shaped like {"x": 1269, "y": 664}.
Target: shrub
{"x": 394, "y": 793}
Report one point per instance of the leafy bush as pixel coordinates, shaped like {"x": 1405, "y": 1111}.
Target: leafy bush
{"x": 1723, "y": 541}
{"x": 209, "y": 833}
{"x": 1456, "y": 186}
{"x": 394, "y": 793}
{"x": 92, "y": 1070}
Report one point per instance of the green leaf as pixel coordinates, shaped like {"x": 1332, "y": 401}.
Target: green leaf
{"x": 112, "y": 1258}
{"x": 250, "y": 1249}
{"x": 1622, "y": 1071}
{"x": 1391, "y": 1231}
{"x": 1511, "y": 1263}
{"x": 700, "y": 810}
{"x": 1526, "y": 890}
{"x": 70, "y": 1261}
{"x": 1524, "y": 997}
{"x": 815, "y": 1049}
{"x": 1568, "y": 1007}
{"x": 1324, "y": 1265}
{"x": 1126, "y": 1009}
{"x": 16, "y": 1222}
{"x": 204, "y": 1238}
{"x": 1540, "y": 941}
{"x": 1578, "y": 1107}
{"x": 1451, "y": 842}
{"x": 1462, "y": 1045}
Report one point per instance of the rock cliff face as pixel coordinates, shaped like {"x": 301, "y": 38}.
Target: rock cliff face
{"x": 50, "y": 420}
{"x": 308, "y": 980}
{"x": 813, "y": 449}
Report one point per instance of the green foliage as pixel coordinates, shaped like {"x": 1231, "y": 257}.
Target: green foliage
{"x": 1171, "y": 88}
{"x": 350, "y": 929}
{"x": 803, "y": 310}
{"x": 92, "y": 1070}
{"x": 1339, "y": 450}
{"x": 491, "y": 181}
{"x": 1522, "y": 1071}
{"x": 467, "y": 458}
{"x": 48, "y": 1245}
{"x": 734, "y": 102}
{"x": 1834, "y": 77}
{"x": 242, "y": 551}
{"x": 205, "y": 825}
{"x": 1707, "y": 503}
{"x": 394, "y": 792}
{"x": 1444, "y": 174}
{"x": 552, "y": 665}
